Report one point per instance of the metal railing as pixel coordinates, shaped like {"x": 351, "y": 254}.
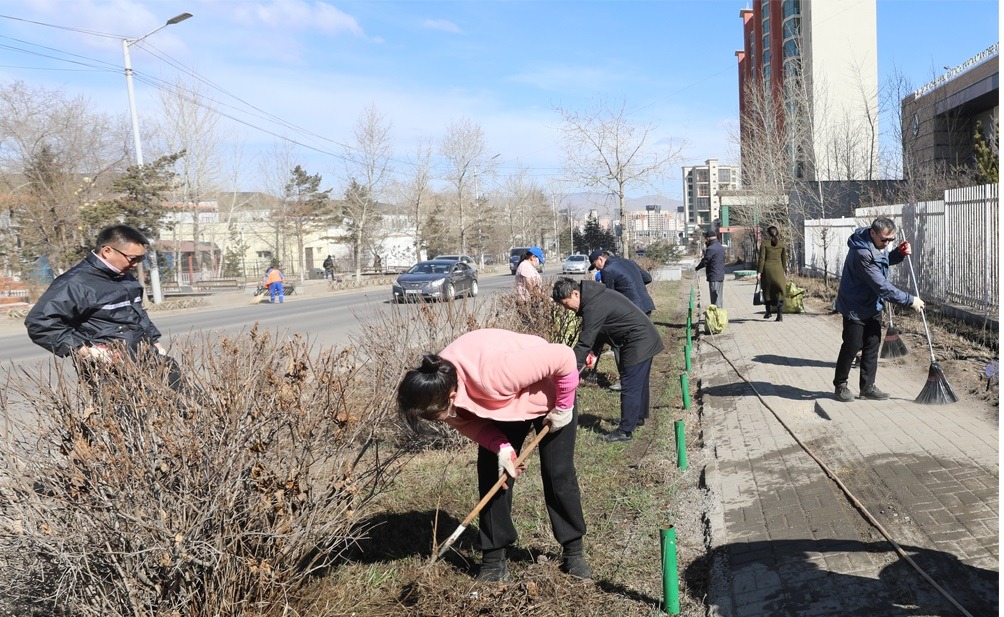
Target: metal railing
{"x": 956, "y": 245}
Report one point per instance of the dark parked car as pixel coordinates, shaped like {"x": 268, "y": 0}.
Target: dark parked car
{"x": 436, "y": 279}
{"x": 467, "y": 259}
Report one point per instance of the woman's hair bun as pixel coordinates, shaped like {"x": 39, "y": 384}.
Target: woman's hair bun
{"x": 431, "y": 363}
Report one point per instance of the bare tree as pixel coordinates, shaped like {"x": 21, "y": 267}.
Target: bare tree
{"x": 605, "y": 149}
{"x": 464, "y": 149}
{"x": 274, "y": 168}
{"x": 416, "y": 193}
{"x": 193, "y": 126}
{"x": 56, "y": 155}
{"x": 368, "y": 165}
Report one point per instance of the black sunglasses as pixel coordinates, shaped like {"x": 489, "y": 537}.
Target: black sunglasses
{"x": 133, "y": 259}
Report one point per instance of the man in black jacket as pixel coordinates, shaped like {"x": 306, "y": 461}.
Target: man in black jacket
{"x": 94, "y": 310}
{"x": 714, "y": 259}
{"x": 625, "y": 276}
{"x": 608, "y": 313}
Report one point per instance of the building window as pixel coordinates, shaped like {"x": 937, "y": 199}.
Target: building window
{"x": 790, "y": 49}
{"x": 791, "y": 7}
{"x": 792, "y": 28}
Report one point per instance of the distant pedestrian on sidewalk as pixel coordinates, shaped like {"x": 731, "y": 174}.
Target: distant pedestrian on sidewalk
{"x": 329, "y": 268}
{"x": 607, "y": 313}
{"x": 274, "y": 283}
{"x": 771, "y": 270}
{"x": 864, "y": 289}
{"x": 493, "y": 386}
{"x": 714, "y": 260}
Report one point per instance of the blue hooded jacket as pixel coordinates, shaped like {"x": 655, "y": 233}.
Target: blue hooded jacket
{"x": 864, "y": 283}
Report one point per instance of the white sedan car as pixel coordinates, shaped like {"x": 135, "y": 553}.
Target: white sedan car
{"x": 575, "y": 264}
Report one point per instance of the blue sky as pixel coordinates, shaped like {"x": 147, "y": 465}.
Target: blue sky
{"x": 502, "y": 64}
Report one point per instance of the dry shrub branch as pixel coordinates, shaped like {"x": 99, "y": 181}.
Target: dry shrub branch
{"x": 126, "y": 497}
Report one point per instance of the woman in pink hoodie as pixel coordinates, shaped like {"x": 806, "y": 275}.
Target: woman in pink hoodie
{"x": 493, "y": 386}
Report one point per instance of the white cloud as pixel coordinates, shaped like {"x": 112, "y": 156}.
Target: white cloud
{"x": 443, "y": 25}
{"x": 297, "y": 15}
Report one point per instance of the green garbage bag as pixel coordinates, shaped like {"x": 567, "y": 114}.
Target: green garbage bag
{"x": 715, "y": 319}
{"x": 793, "y": 299}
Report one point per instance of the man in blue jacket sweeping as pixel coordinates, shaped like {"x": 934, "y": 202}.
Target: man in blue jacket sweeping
{"x": 864, "y": 288}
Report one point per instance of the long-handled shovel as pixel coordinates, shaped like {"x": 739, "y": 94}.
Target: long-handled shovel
{"x": 937, "y": 390}
{"x": 484, "y": 500}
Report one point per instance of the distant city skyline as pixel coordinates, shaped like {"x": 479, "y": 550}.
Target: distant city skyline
{"x": 283, "y": 64}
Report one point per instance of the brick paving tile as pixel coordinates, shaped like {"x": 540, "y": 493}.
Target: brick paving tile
{"x": 794, "y": 544}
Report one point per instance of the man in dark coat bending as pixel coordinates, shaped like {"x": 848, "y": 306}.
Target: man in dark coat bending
{"x": 605, "y": 312}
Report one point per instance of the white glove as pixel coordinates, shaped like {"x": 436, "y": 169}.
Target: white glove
{"x": 99, "y": 354}
{"x": 558, "y": 418}
{"x": 507, "y": 460}
{"x": 918, "y": 304}
{"x": 160, "y": 350}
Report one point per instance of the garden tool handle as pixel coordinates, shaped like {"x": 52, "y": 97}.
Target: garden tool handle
{"x": 923, "y": 317}
{"x": 491, "y": 493}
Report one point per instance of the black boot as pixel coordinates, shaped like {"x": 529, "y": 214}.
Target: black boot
{"x": 494, "y": 568}
{"x": 573, "y": 561}
{"x": 767, "y": 314}
{"x": 779, "y": 311}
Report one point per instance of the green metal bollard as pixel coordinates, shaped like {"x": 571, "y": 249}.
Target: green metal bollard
{"x": 670, "y": 577}
{"x": 686, "y": 357}
{"x": 685, "y": 388}
{"x": 681, "y": 445}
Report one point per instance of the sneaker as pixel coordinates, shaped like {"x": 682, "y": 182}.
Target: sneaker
{"x": 616, "y": 386}
{"x": 874, "y": 394}
{"x": 616, "y": 436}
{"x": 844, "y": 394}
{"x": 494, "y": 568}
{"x": 641, "y": 422}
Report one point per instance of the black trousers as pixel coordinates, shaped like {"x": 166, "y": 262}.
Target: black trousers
{"x": 561, "y": 485}
{"x": 634, "y": 394}
{"x": 866, "y": 337}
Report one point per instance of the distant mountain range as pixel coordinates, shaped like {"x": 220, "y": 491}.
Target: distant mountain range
{"x": 606, "y": 204}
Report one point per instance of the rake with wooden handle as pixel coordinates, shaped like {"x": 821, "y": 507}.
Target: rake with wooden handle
{"x": 484, "y": 500}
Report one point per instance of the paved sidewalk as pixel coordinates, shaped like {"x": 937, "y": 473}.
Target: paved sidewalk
{"x": 787, "y": 541}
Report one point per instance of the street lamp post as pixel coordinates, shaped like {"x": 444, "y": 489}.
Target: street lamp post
{"x": 158, "y": 297}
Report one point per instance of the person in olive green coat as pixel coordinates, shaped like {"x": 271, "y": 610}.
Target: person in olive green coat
{"x": 771, "y": 270}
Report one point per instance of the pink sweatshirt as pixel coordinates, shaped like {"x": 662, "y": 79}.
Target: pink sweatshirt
{"x": 507, "y": 376}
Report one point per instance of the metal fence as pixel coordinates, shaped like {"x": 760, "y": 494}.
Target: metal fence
{"x": 956, "y": 246}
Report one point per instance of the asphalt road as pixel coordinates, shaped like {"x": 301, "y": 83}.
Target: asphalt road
{"x": 325, "y": 320}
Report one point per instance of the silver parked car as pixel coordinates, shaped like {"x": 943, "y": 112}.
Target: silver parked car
{"x": 436, "y": 279}
{"x": 575, "y": 264}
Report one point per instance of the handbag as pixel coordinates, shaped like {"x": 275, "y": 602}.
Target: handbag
{"x": 757, "y": 295}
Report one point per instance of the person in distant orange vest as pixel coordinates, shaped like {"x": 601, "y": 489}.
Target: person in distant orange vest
{"x": 274, "y": 280}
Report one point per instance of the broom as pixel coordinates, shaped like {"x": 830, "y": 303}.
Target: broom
{"x": 893, "y": 346}
{"x": 937, "y": 390}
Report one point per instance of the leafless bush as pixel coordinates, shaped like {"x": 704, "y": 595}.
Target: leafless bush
{"x": 395, "y": 341}
{"x": 128, "y": 498}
